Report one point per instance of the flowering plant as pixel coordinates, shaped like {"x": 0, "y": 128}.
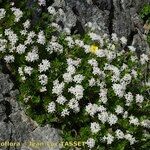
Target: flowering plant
{"x": 89, "y": 85}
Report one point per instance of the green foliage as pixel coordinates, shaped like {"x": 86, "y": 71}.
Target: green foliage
{"x": 145, "y": 15}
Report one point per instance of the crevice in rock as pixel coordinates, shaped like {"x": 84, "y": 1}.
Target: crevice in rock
{"x": 130, "y": 38}
{"x": 8, "y": 111}
{"x": 102, "y": 4}
{"x": 110, "y": 18}
{"x": 48, "y": 3}
{"x": 75, "y": 11}
{"x": 78, "y": 28}
{"x": 6, "y": 70}
{"x": 120, "y": 6}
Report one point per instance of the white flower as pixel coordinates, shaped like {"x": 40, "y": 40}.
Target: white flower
{"x": 30, "y": 37}
{"x": 130, "y": 138}
{"x": 65, "y": 112}
{"x": 145, "y": 123}
{"x": 96, "y": 37}
{"x": 58, "y": 87}
{"x": 61, "y": 100}
{"x": 100, "y": 53}
{"x": 51, "y": 107}
{"x": 44, "y": 65}
{"x": 114, "y": 37}
{"x": 125, "y": 115}
{"x": 42, "y": 2}
{"x": 97, "y": 71}
{"x": 103, "y": 95}
{"x": 71, "y": 69}
{"x": 129, "y": 98}
{"x": 90, "y": 143}
{"x": 109, "y": 138}
{"x": 132, "y": 48}
{"x": 9, "y": 58}
{"x": 67, "y": 31}
{"x": 134, "y": 58}
{"x": 124, "y": 66}
{"x": 95, "y": 127}
{"x": 123, "y": 40}
{"x": 69, "y": 41}
{"x": 51, "y": 10}
{"x": 26, "y": 24}
{"x": 32, "y": 56}
{"x": 143, "y": 59}
{"x": 73, "y": 104}
{"x": 79, "y": 43}
{"x": 12, "y": 37}
{"x": 23, "y": 78}
{"x": 20, "y": 71}
{"x": 119, "y": 110}
{"x": 18, "y": 13}
{"x": 92, "y": 82}
{"x": 112, "y": 119}
{"x": 72, "y": 62}
{"x": 54, "y": 47}
{"x": 78, "y": 78}
{"x": 134, "y": 73}
{"x": 67, "y": 77}
{"x": 20, "y": 49}
{"x": 101, "y": 108}
{"x": 126, "y": 79}
{"x": 41, "y": 38}
{"x": 28, "y": 70}
{"x": 91, "y": 109}
{"x": 2, "y": 13}
{"x": 23, "y": 32}
{"x": 86, "y": 48}
{"x": 56, "y": 26}
{"x": 103, "y": 116}
{"x": 93, "y": 62}
{"x": 133, "y": 120}
{"x": 77, "y": 91}
{"x": 119, "y": 90}
{"x": 119, "y": 134}
{"x": 3, "y": 45}
{"x": 43, "y": 89}
{"x": 139, "y": 98}
{"x": 110, "y": 55}
{"x": 43, "y": 79}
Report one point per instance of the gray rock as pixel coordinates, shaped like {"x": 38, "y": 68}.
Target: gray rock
{"x": 16, "y": 128}
{"x": 111, "y": 16}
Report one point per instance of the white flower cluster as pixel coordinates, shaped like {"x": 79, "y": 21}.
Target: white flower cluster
{"x": 58, "y": 87}
{"x": 20, "y": 49}
{"x": 9, "y": 58}
{"x": 77, "y": 91}
{"x": 41, "y": 38}
{"x": 43, "y": 79}
{"x": 32, "y": 56}
{"x": 54, "y": 47}
{"x": 2, "y": 13}
{"x": 42, "y": 2}
{"x": 44, "y": 65}
{"x": 3, "y": 44}
{"x": 18, "y": 14}
{"x": 12, "y": 37}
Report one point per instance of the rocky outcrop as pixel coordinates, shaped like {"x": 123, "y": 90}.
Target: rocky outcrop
{"x": 111, "y": 16}
{"x": 17, "y": 130}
